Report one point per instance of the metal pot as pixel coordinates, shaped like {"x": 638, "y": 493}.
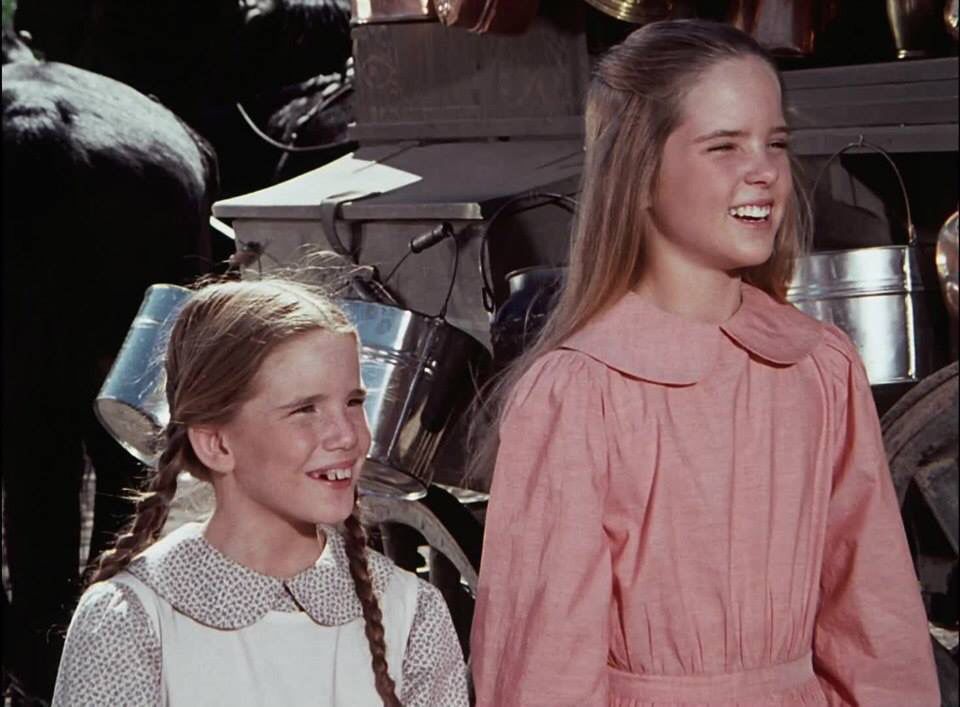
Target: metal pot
{"x": 916, "y": 25}
{"x": 951, "y": 18}
{"x": 420, "y": 374}
{"x": 367, "y": 11}
{"x": 947, "y": 265}
{"x": 786, "y": 27}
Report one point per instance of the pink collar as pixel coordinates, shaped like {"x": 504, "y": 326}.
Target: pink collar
{"x": 637, "y": 338}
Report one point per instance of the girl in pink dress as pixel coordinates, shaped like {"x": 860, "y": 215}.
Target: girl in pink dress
{"x": 691, "y": 503}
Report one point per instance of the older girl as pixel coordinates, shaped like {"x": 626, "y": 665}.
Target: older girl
{"x": 267, "y": 603}
{"x": 691, "y": 503}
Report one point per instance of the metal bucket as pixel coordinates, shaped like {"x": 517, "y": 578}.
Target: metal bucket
{"x": 420, "y": 374}
{"x": 881, "y": 297}
{"x": 132, "y": 403}
{"x": 521, "y": 317}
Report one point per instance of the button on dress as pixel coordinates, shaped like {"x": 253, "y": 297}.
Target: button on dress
{"x": 691, "y": 514}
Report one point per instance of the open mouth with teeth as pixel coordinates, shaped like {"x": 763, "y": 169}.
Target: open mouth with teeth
{"x": 340, "y": 476}
{"x": 751, "y": 213}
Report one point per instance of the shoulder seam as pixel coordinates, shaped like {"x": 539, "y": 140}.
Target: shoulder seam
{"x": 128, "y": 587}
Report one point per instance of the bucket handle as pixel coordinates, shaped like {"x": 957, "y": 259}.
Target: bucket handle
{"x": 514, "y": 204}
{"x": 861, "y": 143}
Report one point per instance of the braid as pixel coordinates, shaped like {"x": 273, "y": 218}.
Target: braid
{"x": 153, "y": 506}
{"x": 356, "y": 543}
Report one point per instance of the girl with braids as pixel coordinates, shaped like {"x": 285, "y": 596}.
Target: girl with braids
{"x": 691, "y": 503}
{"x": 267, "y": 603}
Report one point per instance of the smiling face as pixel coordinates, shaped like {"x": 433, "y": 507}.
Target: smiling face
{"x": 724, "y": 177}
{"x": 294, "y": 449}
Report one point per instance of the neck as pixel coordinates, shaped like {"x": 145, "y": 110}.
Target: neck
{"x": 264, "y": 542}
{"x": 699, "y": 293}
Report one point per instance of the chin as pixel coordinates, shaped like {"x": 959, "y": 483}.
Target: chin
{"x": 751, "y": 254}
{"x": 753, "y": 260}
{"x": 330, "y": 512}
{"x": 338, "y": 514}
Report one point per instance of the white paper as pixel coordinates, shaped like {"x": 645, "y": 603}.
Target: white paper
{"x": 344, "y": 179}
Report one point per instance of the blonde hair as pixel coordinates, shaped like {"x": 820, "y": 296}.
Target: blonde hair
{"x": 218, "y": 344}
{"x": 634, "y": 103}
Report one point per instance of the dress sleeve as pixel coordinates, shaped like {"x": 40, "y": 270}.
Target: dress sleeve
{"x": 112, "y": 655}
{"x": 871, "y": 645}
{"x": 541, "y": 626}
{"x": 433, "y": 669}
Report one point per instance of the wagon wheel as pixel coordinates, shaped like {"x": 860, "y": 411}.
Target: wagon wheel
{"x": 453, "y": 538}
{"x": 920, "y": 437}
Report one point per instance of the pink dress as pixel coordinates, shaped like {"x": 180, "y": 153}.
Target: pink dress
{"x": 691, "y": 514}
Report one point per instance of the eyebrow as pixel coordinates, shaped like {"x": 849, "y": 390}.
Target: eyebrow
{"x": 319, "y": 398}
{"x": 737, "y": 133}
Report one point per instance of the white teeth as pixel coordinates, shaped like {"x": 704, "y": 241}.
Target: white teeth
{"x": 331, "y": 474}
{"x": 750, "y": 211}
{"x": 337, "y": 474}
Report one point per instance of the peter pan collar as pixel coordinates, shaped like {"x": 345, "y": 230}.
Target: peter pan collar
{"x": 203, "y": 583}
{"x": 639, "y": 339}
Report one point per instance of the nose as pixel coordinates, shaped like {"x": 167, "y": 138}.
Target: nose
{"x": 340, "y": 433}
{"x": 763, "y": 170}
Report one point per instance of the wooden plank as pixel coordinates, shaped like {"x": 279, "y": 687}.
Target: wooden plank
{"x": 549, "y": 126}
{"x": 428, "y": 72}
{"x": 433, "y": 211}
{"x": 873, "y": 93}
{"x": 906, "y": 112}
{"x": 888, "y": 72}
{"x": 905, "y": 138}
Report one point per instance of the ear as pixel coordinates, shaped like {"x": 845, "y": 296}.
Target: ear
{"x": 211, "y": 448}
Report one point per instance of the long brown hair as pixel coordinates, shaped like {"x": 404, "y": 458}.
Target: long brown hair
{"x": 217, "y": 345}
{"x": 634, "y": 103}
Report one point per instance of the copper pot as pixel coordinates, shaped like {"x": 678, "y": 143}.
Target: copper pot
{"x": 373, "y": 11}
{"x": 916, "y": 26}
{"x": 786, "y": 27}
{"x": 947, "y": 265}
{"x": 951, "y": 18}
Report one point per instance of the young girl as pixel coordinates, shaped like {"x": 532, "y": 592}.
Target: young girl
{"x": 691, "y": 503}
{"x": 267, "y": 603}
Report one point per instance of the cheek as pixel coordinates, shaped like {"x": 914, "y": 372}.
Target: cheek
{"x": 292, "y": 444}
{"x": 363, "y": 433}
{"x": 786, "y": 176}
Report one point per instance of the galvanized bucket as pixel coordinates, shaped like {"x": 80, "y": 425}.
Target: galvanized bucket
{"x": 420, "y": 373}
{"x": 132, "y": 403}
{"x": 882, "y": 297}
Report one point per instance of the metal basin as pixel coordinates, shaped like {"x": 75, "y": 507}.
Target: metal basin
{"x": 883, "y": 298}
{"x": 420, "y": 373}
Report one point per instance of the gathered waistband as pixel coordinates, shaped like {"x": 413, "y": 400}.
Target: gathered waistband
{"x": 723, "y": 687}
